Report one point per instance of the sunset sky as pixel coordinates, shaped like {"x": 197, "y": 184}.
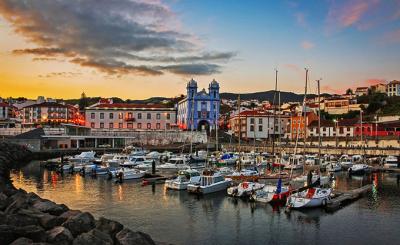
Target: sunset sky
{"x": 144, "y": 48}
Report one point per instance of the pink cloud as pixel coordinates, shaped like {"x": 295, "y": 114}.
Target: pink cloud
{"x": 372, "y": 81}
{"x": 307, "y": 45}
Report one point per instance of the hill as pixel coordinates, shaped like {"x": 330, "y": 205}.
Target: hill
{"x": 267, "y": 95}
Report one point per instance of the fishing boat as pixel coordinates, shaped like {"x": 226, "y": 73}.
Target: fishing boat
{"x": 391, "y": 162}
{"x": 244, "y": 189}
{"x": 210, "y": 182}
{"x": 185, "y": 177}
{"x": 129, "y": 173}
{"x": 309, "y": 198}
{"x": 359, "y": 168}
{"x": 272, "y": 193}
{"x": 175, "y": 163}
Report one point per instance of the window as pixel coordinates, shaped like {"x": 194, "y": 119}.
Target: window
{"x": 148, "y": 115}
{"x": 101, "y": 125}
{"x": 111, "y": 116}
{"x": 252, "y": 120}
{"x": 92, "y": 115}
{"x": 158, "y": 116}
{"x": 139, "y": 115}
{"x": 149, "y": 126}
{"x": 260, "y": 120}
{"x": 251, "y": 128}
{"x": 168, "y": 126}
{"x": 120, "y": 115}
{"x": 168, "y": 116}
{"x": 92, "y": 125}
{"x": 102, "y": 115}
{"x": 120, "y": 125}
{"x": 348, "y": 128}
{"x": 129, "y": 125}
{"x": 111, "y": 125}
{"x": 129, "y": 115}
{"x": 139, "y": 125}
{"x": 158, "y": 126}
{"x": 260, "y": 128}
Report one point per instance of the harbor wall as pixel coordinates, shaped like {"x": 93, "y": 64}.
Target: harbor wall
{"x": 26, "y": 218}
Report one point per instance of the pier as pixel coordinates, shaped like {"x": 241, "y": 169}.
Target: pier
{"x": 346, "y": 197}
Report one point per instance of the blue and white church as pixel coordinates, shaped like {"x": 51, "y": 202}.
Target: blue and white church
{"x": 201, "y": 108}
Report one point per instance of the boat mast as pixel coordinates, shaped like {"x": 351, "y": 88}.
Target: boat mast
{"x": 192, "y": 125}
{"x": 240, "y": 131}
{"x": 319, "y": 123}
{"x": 274, "y": 111}
{"x": 216, "y": 129}
{"x": 305, "y": 118}
{"x": 362, "y": 142}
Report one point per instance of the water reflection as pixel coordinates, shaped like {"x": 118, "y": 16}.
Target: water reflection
{"x": 180, "y": 218}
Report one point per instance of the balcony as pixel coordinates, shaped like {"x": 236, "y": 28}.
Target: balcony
{"x": 130, "y": 119}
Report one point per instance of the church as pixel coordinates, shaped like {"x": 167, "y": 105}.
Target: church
{"x": 199, "y": 110}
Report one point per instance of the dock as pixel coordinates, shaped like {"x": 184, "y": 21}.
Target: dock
{"x": 346, "y": 197}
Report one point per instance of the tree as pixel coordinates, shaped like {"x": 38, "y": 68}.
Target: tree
{"x": 349, "y": 91}
{"x": 83, "y": 101}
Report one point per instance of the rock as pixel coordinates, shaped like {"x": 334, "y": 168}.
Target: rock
{"x": 79, "y": 223}
{"x": 127, "y": 236}
{"x": 49, "y": 221}
{"x": 70, "y": 213}
{"x": 109, "y": 226}
{"x": 19, "y": 219}
{"x": 17, "y": 201}
{"x": 50, "y": 207}
{"x": 22, "y": 241}
{"x": 9, "y": 233}
{"x": 94, "y": 236}
{"x": 59, "y": 235}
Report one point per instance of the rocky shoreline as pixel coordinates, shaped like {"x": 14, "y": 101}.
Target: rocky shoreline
{"x": 26, "y": 218}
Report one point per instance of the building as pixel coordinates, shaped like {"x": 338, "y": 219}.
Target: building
{"x": 6, "y": 111}
{"x": 360, "y": 91}
{"x": 199, "y": 110}
{"x": 378, "y": 88}
{"x": 327, "y": 129}
{"x": 340, "y": 105}
{"x": 123, "y": 116}
{"x": 49, "y": 113}
{"x": 298, "y": 125}
{"x": 257, "y": 124}
{"x": 393, "y": 88}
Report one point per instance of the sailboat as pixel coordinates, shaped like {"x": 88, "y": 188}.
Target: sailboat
{"x": 310, "y": 196}
{"x": 271, "y": 193}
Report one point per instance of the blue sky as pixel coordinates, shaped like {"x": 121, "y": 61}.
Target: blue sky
{"x": 101, "y": 46}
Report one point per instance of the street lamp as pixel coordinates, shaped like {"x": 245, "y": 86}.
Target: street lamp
{"x": 335, "y": 122}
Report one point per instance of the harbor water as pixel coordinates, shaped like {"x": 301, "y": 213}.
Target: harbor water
{"x": 181, "y": 218}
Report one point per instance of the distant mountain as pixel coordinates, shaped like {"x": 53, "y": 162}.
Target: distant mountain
{"x": 267, "y": 95}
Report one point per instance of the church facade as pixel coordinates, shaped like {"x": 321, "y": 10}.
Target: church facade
{"x": 200, "y": 109}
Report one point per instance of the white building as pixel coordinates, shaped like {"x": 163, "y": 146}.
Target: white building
{"x": 258, "y": 124}
{"x": 393, "y": 88}
{"x": 122, "y": 116}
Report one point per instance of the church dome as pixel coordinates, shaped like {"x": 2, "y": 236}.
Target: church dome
{"x": 214, "y": 83}
{"x": 192, "y": 83}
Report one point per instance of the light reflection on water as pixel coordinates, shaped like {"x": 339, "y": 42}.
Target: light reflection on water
{"x": 217, "y": 219}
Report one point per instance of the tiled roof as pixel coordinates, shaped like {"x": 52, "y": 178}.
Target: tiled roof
{"x": 47, "y": 104}
{"x": 133, "y": 106}
{"x": 324, "y": 123}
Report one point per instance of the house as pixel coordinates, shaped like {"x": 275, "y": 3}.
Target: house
{"x": 258, "y": 124}
{"x": 340, "y": 105}
{"x": 122, "y": 116}
{"x": 378, "y": 88}
{"x": 299, "y": 123}
{"x": 360, "y": 91}
{"x": 327, "y": 129}
{"x": 49, "y": 113}
{"x": 393, "y": 88}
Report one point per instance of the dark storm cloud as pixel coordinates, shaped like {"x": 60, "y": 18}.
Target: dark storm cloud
{"x": 113, "y": 36}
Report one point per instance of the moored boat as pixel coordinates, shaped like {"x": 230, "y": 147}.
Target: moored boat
{"x": 309, "y": 198}
{"x": 244, "y": 189}
{"x": 210, "y": 182}
{"x": 185, "y": 177}
{"x": 272, "y": 193}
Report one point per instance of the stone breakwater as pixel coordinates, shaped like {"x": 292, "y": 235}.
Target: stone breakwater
{"x": 26, "y": 218}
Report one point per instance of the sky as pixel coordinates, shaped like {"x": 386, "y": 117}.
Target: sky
{"x": 135, "y": 49}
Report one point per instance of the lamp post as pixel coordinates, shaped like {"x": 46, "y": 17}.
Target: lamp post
{"x": 335, "y": 122}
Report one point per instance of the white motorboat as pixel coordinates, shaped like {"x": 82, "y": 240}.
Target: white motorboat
{"x": 246, "y": 172}
{"x": 146, "y": 165}
{"x": 391, "y": 162}
{"x": 133, "y": 161}
{"x": 117, "y": 160}
{"x": 135, "y": 151}
{"x": 359, "y": 168}
{"x": 176, "y": 163}
{"x": 345, "y": 161}
{"x": 271, "y": 193}
{"x": 334, "y": 167}
{"x": 228, "y": 159}
{"x": 184, "y": 178}
{"x": 94, "y": 169}
{"x": 84, "y": 157}
{"x": 153, "y": 155}
{"x": 210, "y": 182}
{"x": 295, "y": 162}
{"x": 309, "y": 198}
{"x": 200, "y": 156}
{"x": 303, "y": 179}
{"x": 104, "y": 158}
{"x": 311, "y": 160}
{"x": 244, "y": 189}
{"x": 225, "y": 171}
{"x": 129, "y": 173}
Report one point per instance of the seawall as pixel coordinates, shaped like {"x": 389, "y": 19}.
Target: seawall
{"x": 26, "y": 218}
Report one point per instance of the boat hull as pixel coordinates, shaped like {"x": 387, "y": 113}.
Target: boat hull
{"x": 220, "y": 186}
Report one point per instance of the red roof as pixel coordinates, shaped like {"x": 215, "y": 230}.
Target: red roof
{"x": 125, "y": 105}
